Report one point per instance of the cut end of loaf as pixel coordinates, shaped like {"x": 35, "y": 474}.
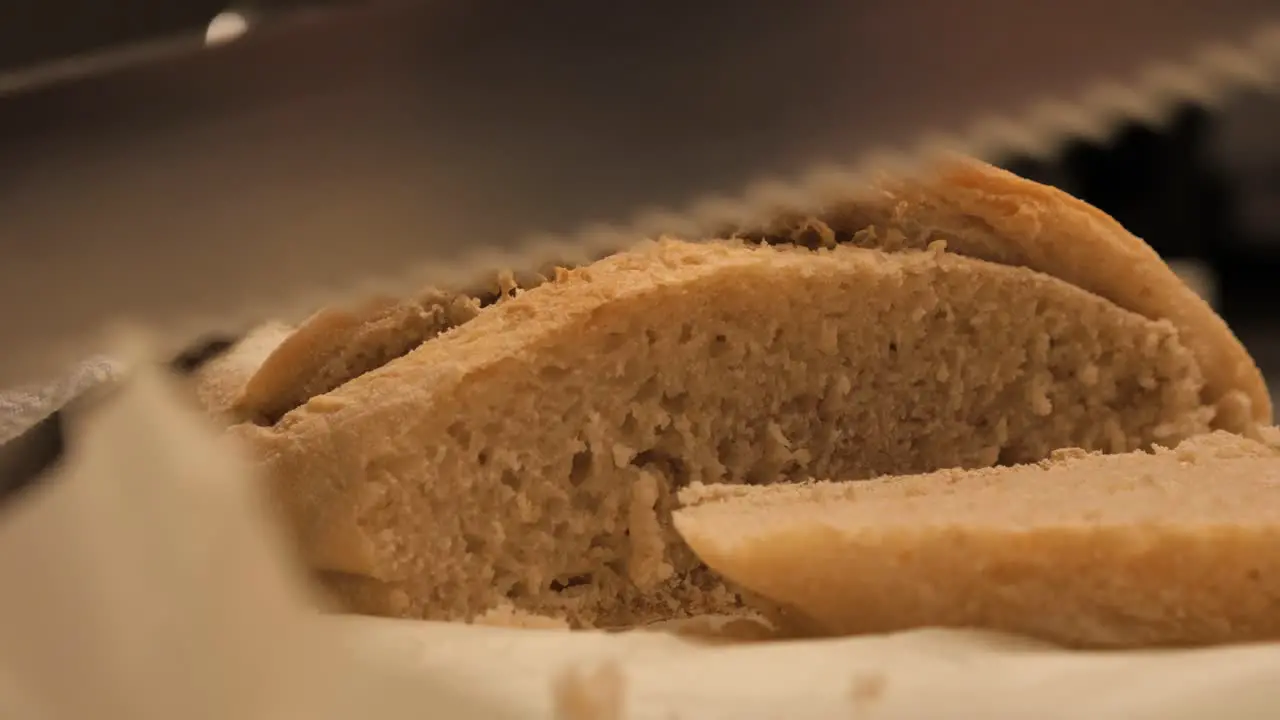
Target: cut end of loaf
{"x": 1178, "y": 547}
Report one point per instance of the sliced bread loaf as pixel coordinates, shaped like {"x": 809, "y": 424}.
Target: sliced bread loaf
{"x": 1179, "y": 547}
{"x": 335, "y": 345}
{"x": 529, "y": 456}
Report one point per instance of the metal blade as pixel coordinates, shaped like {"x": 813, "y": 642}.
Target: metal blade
{"x": 395, "y": 145}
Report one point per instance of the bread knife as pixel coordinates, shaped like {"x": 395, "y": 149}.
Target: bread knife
{"x": 388, "y": 146}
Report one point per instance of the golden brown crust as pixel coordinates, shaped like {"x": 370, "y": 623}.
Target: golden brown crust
{"x": 271, "y": 390}
{"x": 336, "y": 344}
{"x": 1017, "y": 221}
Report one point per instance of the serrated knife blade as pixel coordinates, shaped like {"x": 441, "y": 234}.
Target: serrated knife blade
{"x": 398, "y": 144}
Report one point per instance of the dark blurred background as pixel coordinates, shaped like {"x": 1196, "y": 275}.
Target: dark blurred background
{"x": 1204, "y": 189}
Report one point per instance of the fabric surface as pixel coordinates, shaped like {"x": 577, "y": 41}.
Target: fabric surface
{"x": 23, "y": 407}
{"x": 159, "y": 523}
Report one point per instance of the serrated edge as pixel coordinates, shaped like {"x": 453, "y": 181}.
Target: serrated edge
{"x": 1210, "y": 75}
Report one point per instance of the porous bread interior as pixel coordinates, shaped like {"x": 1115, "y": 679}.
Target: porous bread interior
{"x": 530, "y": 456}
{"x": 1175, "y": 548}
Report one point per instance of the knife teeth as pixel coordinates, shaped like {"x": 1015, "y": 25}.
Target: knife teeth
{"x": 1267, "y": 43}
{"x": 1114, "y": 103}
{"x": 1235, "y": 66}
{"x": 825, "y": 184}
{"x": 941, "y": 145}
{"x": 1038, "y": 132}
{"x": 994, "y": 135}
{"x": 1063, "y": 119}
{"x": 563, "y": 251}
{"x": 769, "y": 197}
{"x": 700, "y": 220}
{"x": 1209, "y": 76}
{"x": 718, "y": 212}
{"x": 1172, "y": 84}
{"x": 599, "y": 239}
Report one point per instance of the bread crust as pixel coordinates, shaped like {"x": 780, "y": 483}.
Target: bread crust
{"x": 284, "y": 374}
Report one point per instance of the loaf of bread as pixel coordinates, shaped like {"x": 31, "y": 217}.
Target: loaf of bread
{"x": 1174, "y": 548}
{"x": 528, "y": 454}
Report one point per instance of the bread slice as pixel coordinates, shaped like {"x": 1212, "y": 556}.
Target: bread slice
{"x": 1180, "y": 547}
{"x": 529, "y": 455}
{"x": 987, "y": 213}
{"x": 977, "y": 210}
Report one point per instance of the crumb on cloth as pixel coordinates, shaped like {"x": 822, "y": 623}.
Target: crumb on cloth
{"x": 593, "y": 696}
{"x": 511, "y": 617}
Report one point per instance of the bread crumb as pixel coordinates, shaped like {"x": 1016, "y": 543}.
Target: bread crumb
{"x": 777, "y": 435}
{"x": 895, "y": 240}
{"x": 1064, "y": 454}
{"x": 597, "y": 696}
{"x": 509, "y": 616}
{"x": 398, "y": 601}
{"x": 647, "y": 566}
{"x": 1235, "y": 410}
{"x": 1187, "y": 453}
{"x": 866, "y": 689}
{"x": 507, "y": 285}
{"x": 1038, "y": 397}
{"x": 988, "y": 455}
{"x": 718, "y": 629}
{"x": 826, "y": 236}
{"x": 1088, "y": 375}
{"x": 844, "y": 385}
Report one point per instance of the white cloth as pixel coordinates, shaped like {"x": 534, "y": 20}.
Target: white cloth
{"x": 142, "y": 582}
{"x": 23, "y": 407}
